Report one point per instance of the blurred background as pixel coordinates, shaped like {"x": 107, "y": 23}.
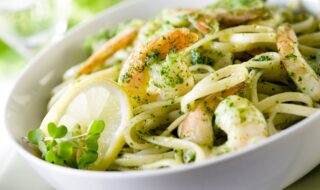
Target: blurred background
{"x": 29, "y": 25}
{"x": 26, "y": 27}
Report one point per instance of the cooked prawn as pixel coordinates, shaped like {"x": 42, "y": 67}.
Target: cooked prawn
{"x": 178, "y": 16}
{"x": 197, "y": 125}
{"x": 118, "y": 42}
{"x": 228, "y": 18}
{"x": 235, "y": 12}
{"x": 202, "y": 22}
{"x": 182, "y": 17}
{"x": 243, "y": 123}
{"x": 134, "y": 76}
{"x": 298, "y": 69}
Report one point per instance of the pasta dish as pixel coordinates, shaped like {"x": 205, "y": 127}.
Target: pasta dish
{"x": 185, "y": 86}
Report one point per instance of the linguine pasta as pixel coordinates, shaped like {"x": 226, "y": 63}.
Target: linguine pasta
{"x": 205, "y": 82}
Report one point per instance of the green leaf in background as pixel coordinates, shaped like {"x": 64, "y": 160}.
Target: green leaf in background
{"x": 11, "y": 62}
{"x": 95, "y": 5}
{"x": 83, "y": 9}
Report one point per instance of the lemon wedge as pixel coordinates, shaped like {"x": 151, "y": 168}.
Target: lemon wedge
{"x": 95, "y": 98}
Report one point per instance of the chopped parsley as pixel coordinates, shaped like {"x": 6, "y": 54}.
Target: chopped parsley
{"x": 126, "y": 78}
{"x": 314, "y": 62}
{"x": 170, "y": 76}
{"x": 291, "y": 57}
{"x": 239, "y": 4}
{"x": 198, "y": 58}
{"x": 188, "y": 156}
{"x": 262, "y": 58}
{"x": 92, "y": 41}
{"x": 152, "y": 57}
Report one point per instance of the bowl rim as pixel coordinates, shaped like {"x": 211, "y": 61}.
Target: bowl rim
{"x": 296, "y": 128}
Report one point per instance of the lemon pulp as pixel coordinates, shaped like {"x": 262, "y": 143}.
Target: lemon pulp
{"x": 89, "y": 100}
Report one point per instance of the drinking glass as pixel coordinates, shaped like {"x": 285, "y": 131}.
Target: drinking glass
{"x": 26, "y": 25}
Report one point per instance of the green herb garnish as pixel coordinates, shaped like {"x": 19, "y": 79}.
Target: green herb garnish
{"x": 35, "y": 136}
{"x": 291, "y": 57}
{"x": 87, "y": 158}
{"x": 238, "y": 4}
{"x": 189, "y": 156}
{"x": 152, "y": 57}
{"x": 57, "y": 132}
{"x": 62, "y": 149}
{"x": 314, "y": 62}
{"x": 262, "y": 58}
{"x": 104, "y": 35}
{"x": 198, "y": 58}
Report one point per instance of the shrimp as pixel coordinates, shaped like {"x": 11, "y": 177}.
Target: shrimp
{"x": 170, "y": 78}
{"x": 134, "y": 76}
{"x": 236, "y": 12}
{"x": 184, "y": 17}
{"x": 118, "y": 42}
{"x": 243, "y": 123}
{"x": 197, "y": 126}
{"x": 228, "y": 18}
{"x": 177, "y": 17}
{"x": 298, "y": 69}
{"x": 194, "y": 19}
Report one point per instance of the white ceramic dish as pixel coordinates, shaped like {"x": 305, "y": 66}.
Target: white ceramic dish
{"x": 272, "y": 164}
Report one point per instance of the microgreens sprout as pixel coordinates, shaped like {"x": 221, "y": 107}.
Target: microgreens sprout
{"x": 62, "y": 148}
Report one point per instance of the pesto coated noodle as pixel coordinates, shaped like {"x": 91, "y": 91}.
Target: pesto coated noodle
{"x": 187, "y": 85}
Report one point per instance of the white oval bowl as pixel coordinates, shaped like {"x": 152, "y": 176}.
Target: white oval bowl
{"x": 272, "y": 164}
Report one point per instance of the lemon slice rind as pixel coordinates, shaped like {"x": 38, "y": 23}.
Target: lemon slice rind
{"x": 59, "y": 109}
